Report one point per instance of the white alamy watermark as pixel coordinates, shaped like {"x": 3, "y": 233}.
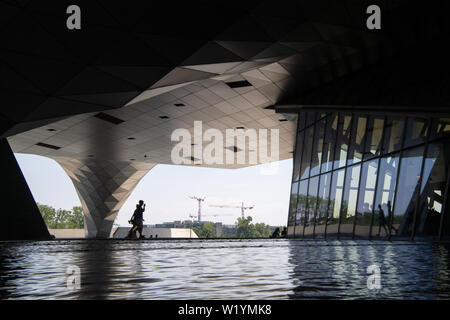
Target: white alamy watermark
{"x": 73, "y": 22}
{"x": 374, "y": 278}
{"x": 73, "y": 277}
{"x": 239, "y": 146}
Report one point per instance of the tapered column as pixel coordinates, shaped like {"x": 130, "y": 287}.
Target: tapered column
{"x": 20, "y": 216}
{"x": 103, "y": 187}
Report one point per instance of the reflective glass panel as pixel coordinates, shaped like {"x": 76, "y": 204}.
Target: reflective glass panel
{"x": 393, "y": 134}
{"x": 343, "y": 140}
{"x": 406, "y": 198}
{"x": 431, "y": 205}
{"x": 366, "y": 198}
{"x": 310, "y": 118}
{"x": 416, "y": 131}
{"x": 306, "y": 153}
{"x": 301, "y": 121}
{"x": 358, "y": 134}
{"x": 302, "y": 201}
{"x": 322, "y": 205}
{"x": 316, "y": 158}
{"x": 337, "y": 187}
{"x": 440, "y": 127}
{"x": 297, "y": 157}
{"x": 329, "y": 143}
{"x": 293, "y": 204}
{"x": 312, "y": 202}
{"x": 349, "y": 201}
{"x": 374, "y": 136}
{"x": 384, "y": 198}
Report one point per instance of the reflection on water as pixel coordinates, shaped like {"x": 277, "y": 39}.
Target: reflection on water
{"x": 223, "y": 269}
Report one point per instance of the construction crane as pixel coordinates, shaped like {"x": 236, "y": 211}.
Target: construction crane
{"x": 242, "y": 207}
{"x": 200, "y": 200}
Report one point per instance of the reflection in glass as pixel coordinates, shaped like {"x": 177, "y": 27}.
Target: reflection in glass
{"x": 357, "y": 144}
{"x": 374, "y": 135}
{"x": 293, "y": 204}
{"x": 301, "y": 121}
{"x": 388, "y": 202}
{"x": 393, "y": 134}
{"x": 312, "y": 203}
{"x": 440, "y": 128}
{"x": 366, "y": 198}
{"x": 329, "y": 143}
{"x": 343, "y": 139}
{"x": 297, "y": 157}
{"x": 310, "y": 118}
{"x": 416, "y": 131}
{"x": 322, "y": 205}
{"x": 301, "y": 206}
{"x": 432, "y": 191}
{"x": 317, "y": 147}
{"x": 349, "y": 201}
{"x": 306, "y": 153}
{"x": 337, "y": 186}
{"x": 406, "y": 198}
{"x": 384, "y": 198}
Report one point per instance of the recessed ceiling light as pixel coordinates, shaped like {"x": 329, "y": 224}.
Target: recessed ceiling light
{"x": 49, "y": 146}
{"x": 108, "y": 118}
{"x": 239, "y": 84}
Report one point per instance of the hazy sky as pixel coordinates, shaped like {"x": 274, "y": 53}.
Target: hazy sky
{"x": 166, "y": 190}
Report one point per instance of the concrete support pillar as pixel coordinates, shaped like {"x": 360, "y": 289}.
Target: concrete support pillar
{"x": 20, "y": 216}
{"x": 103, "y": 187}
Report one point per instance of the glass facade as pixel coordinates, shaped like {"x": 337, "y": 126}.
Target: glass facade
{"x": 359, "y": 176}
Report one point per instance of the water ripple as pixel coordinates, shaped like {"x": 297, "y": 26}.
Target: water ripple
{"x": 223, "y": 269}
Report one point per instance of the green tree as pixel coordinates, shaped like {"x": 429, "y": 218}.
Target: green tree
{"x": 48, "y": 214}
{"x": 245, "y": 229}
{"x": 206, "y": 230}
{"x": 62, "y": 219}
{"x": 75, "y": 220}
{"x": 263, "y": 230}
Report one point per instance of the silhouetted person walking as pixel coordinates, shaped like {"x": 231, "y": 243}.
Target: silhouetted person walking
{"x": 138, "y": 218}
{"x": 390, "y": 218}
{"x": 382, "y": 221}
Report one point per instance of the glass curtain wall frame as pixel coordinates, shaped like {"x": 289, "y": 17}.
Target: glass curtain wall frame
{"x": 391, "y": 193}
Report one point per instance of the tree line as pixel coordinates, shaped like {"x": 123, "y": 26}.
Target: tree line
{"x": 62, "y": 219}
{"x": 244, "y": 229}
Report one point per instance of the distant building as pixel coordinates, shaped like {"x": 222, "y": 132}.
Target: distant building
{"x": 151, "y": 232}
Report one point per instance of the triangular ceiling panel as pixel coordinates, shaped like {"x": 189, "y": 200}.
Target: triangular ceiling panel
{"x": 244, "y": 49}
{"x": 217, "y": 68}
{"x": 210, "y": 53}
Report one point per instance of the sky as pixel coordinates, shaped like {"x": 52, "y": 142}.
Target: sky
{"x": 166, "y": 190}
